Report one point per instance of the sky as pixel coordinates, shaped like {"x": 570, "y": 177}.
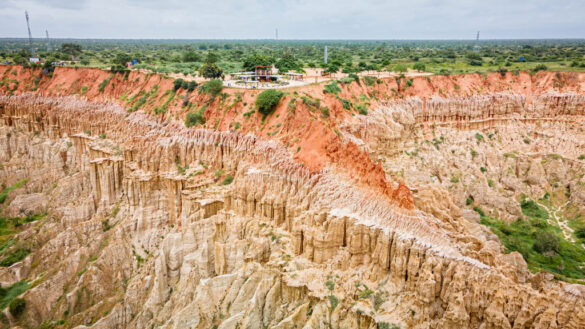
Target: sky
{"x": 295, "y": 19}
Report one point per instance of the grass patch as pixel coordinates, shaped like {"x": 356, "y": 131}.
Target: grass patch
{"x": 228, "y": 180}
{"x": 332, "y": 88}
{"x": 4, "y": 193}
{"x": 542, "y": 246}
{"x": 103, "y": 84}
{"x": 194, "y": 118}
{"x": 8, "y": 294}
{"x": 531, "y": 209}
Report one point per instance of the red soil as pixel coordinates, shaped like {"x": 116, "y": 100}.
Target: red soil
{"x": 310, "y": 136}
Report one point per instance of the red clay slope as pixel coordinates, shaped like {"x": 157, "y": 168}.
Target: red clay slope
{"x": 310, "y": 134}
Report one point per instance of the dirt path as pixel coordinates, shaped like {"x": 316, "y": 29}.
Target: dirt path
{"x": 559, "y": 221}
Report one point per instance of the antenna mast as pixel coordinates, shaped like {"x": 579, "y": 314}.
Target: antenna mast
{"x": 48, "y": 41}
{"x": 32, "y": 51}
{"x": 476, "y": 47}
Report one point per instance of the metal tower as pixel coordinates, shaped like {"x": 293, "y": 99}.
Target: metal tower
{"x": 48, "y": 41}
{"x": 476, "y": 47}
{"x": 325, "y": 55}
{"x": 32, "y": 51}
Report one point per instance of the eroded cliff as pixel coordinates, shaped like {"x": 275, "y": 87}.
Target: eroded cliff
{"x": 145, "y": 226}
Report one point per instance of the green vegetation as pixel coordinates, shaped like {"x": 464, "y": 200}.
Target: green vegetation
{"x": 541, "y": 244}
{"x": 531, "y": 209}
{"x": 332, "y": 88}
{"x": 214, "y": 57}
{"x": 212, "y": 88}
{"x": 9, "y": 294}
{"x": 267, "y": 101}
{"x": 12, "y": 250}
{"x": 16, "y": 307}
{"x": 194, "y": 118}
{"x": 227, "y": 180}
{"x": 103, "y": 84}
{"x": 186, "y": 85}
{"x": 369, "y": 81}
{"x": 4, "y": 193}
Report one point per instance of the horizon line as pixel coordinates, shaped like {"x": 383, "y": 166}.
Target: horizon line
{"x": 280, "y": 39}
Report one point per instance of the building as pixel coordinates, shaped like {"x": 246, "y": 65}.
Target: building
{"x": 265, "y": 74}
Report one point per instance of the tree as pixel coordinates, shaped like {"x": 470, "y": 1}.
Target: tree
{"x": 332, "y": 68}
{"x": 256, "y": 60}
{"x": 418, "y": 66}
{"x": 72, "y": 49}
{"x": 122, "y": 59}
{"x": 268, "y": 100}
{"x": 211, "y": 58}
{"x": 191, "y": 56}
{"x": 400, "y": 68}
{"x": 211, "y": 70}
{"x": 287, "y": 63}
{"x": 546, "y": 242}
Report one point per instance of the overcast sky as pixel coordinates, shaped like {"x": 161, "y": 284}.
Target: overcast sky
{"x": 295, "y": 19}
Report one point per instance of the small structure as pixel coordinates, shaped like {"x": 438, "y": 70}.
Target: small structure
{"x": 263, "y": 73}
{"x": 35, "y": 60}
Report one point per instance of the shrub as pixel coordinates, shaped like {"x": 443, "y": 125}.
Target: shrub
{"x": 267, "y": 101}
{"x": 332, "y": 88}
{"x": 4, "y": 193}
{"x": 212, "y": 88}
{"x": 228, "y": 180}
{"x": 325, "y": 111}
{"x": 11, "y": 292}
{"x": 400, "y": 68}
{"x": 531, "y": 209}
{"x": 469, "y": 200}
{"x": 479, "y": 137}
{"x": 14, "y": 257}
{"x": 539, "y": 67}
{"x": 369, "y": 81}
{"x": 194, "y": 118}
{"x": 362, "y": 109}
{"x": 17, "y": 306}
{"x": 479, "y": 211}
{"x": 419, "y": 66}
{"x": 546, "y": 242}
{"x": 475, "y": 62}
{"x": 178, "y": 84}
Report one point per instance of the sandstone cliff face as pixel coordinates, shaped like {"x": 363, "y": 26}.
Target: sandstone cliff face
{"x": 142, "y": 233}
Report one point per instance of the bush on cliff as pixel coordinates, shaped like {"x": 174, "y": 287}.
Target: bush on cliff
{"x": 212, "y": 88}
{"x": 194, "y": 118}
{"x": 16, "y": 307}
{"x": 268, "y": 100}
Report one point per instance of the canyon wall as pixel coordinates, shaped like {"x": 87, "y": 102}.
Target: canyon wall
{"x": 142, "y": 232}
